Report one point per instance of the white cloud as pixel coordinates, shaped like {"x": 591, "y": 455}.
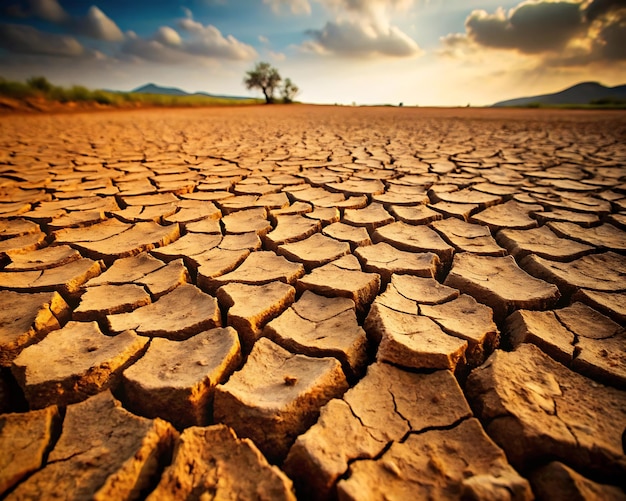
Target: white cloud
{"x": 357, "y": 39}
{"x": 168, "y": 36}
{"x": 294, "y": 6}
{"x": 362, "y": 29}
{"x": 208, "y": 41}
{"x": 151, "y": 50}
{"x": 554, "y": 33}
{"x": 530, "y": 27}
{"x": 50, "y": 10}
{"x": 263, "y": 40}
{"x": 277, "y": 56}
{"x": 204, "y": 42}
{"x": 24, "y": 39}
{"x": 96, "y": 24}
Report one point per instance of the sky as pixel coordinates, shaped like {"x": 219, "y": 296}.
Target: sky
{"x": 415, "y": 52}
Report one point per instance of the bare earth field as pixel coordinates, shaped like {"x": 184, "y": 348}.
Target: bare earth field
{"x": 313, "y": 302}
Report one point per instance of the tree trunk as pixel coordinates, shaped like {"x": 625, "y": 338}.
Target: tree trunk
{"x": 268, "y": 99}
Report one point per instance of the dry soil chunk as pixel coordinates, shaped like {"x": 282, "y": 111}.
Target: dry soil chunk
{"x": 499, "y": 283}
{"x": 603, "y": 359}
{"x": 414, "y": 239}
{"x": 600, "y": 272}
{"x": 26, "y": 319}
{"x": 22, "y": 244}
{"x": 104, "y": 452}
{"x": 277, "y": 396}
{"x": 177, "y": 315}
{"x": 467, "y": 237}
{"x": 512, "y": 215}
{"x": 467, "y": 319}
{"x": 154, "y": 199}
{"x": 245, "y": 221}
{"x": 423, "y": 290}
{"x": 371, "y": 217}
{"x": 250, "y": 307}
{"x": 386, "y": 260}
{"x": 314, "y": 251}
{"x": 188, "y": 245}
{"x": 48, "y": 257}
{"x": 542, "y": 242}
{"x": 321, "y": 455}
{"x": 413, "y": 341}
{"x": 354, "y": 235}
{"x": 450, "y": 209}
{"x": 165, "y": 279}
{"x": 612, "y": 304}
{"x": 141, "y": 237}
{"x": 175, "y": 380}
{"x": 261, "y": 268}
{"x": 217, "y": 262}
{"x": 587, "y": 322}
{"x": 419, "y": 214}
{"x": 343, "y": 278}
{"x": 392, "y": 299}
{"x": 460, "y": 463}
{"x": 213, "y": 462}
{"x": 127, "y": 270}
{"x": 557, "y": 482}
{"x": 291, "y": 228}
{"x": 536, "y": 409}
{"x": 74, "y": 362}
{"x": 543, "y": 329}
{"x": 322, "y": 327}
{"x": 382, "y": 408}
{"x": 190, "y": 211}
{"x": 24, "y": 440}
{"x": 94, "y": 233}
{"x": 66, "y": 279}
{"x": 605, "y": 236}
{"x": 98, "y": 302}
{"x": 76, "y": 219}
{"x": 467, "y": 196}
{"x": 15, "y": 227}
{"x": 358, "y": 187}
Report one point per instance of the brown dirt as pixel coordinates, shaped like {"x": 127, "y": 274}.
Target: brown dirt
{"x": 294, "y": 258}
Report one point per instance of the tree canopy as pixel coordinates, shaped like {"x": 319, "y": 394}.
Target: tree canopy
{"x": 289, "y": 91}
{"x": 266, "y": 78}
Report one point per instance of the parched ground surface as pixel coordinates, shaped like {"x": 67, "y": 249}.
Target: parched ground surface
{"x": 313, "y": 303}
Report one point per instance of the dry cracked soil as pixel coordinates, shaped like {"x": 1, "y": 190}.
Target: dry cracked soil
{"x": 299, "y": 302}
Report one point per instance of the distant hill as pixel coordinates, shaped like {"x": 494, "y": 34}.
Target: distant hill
{"x": 582, "y": 93}
{"x": 155, "y": 89}
{"x": 173, "y": 91}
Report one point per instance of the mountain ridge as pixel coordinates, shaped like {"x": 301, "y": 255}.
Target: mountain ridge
{"x": 151, "y": 88}
{"x": 580, "y": 93}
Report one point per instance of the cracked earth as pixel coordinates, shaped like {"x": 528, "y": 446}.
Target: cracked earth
{"x": 313, "y": 303}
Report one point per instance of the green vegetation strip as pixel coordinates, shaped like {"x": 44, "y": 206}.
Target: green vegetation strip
{"x": 40, "y": 87}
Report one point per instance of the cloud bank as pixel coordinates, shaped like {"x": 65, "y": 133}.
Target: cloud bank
{"x": 361, "y": 29}
{"x": 558, "y": 33}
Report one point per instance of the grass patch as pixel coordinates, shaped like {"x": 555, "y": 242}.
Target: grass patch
{"x": 41, "y": 88}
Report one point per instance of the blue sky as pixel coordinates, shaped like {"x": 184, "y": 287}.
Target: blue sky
{"x": 424, "y": 52}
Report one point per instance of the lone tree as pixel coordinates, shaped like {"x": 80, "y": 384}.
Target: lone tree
{"x": 263, "y": 77}
{"x": 289, "y": 91}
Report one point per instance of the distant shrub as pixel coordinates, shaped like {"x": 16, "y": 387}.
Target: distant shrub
{"x": 40, "y": 84}
{"x": 609, "y": 101}
{"x": 15, "y": 90}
